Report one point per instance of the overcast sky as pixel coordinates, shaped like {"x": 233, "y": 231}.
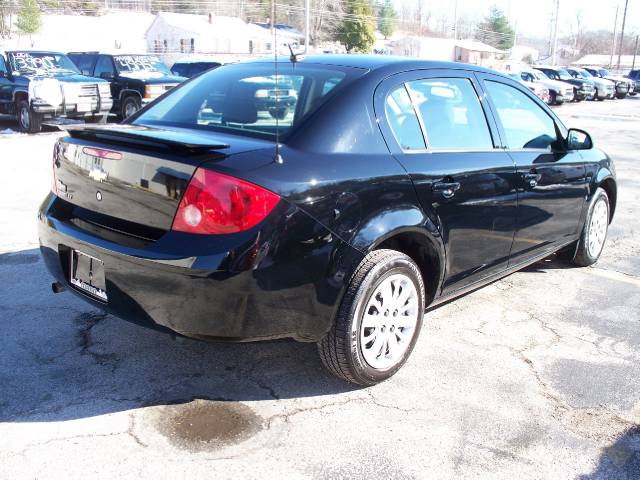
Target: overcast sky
{"x": 534, "y": 16}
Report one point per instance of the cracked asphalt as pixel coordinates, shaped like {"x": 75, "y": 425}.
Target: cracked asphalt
{"x": 535, "y": 376}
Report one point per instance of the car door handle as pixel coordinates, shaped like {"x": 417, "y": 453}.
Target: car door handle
{"x": 531, "y": 179}
{"x": 446, "y": 189}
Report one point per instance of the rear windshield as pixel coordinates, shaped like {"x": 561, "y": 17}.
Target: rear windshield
{"x": 250, "y": 99}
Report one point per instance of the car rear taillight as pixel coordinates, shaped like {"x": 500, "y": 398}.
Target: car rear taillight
{"x": 216, "y": 204}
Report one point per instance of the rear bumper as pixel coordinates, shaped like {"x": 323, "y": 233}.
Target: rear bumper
{"x": 250, "y": 286}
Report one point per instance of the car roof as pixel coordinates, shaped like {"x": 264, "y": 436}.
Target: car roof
{"x": 375, "y": 62}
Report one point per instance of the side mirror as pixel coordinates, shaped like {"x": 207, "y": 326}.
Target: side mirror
{"x": 579, "y": 140}
{"x": 106, "y": 75}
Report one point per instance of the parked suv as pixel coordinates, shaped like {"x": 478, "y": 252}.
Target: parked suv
{"x": 37, "y": 86}
{"x": 603, "y": 88}
{"x": 623, "y": 85}
{"x": 559, "y": 92}
{"x": 191, "y": 67}
{"x": 582, "y": 88}
{"x": 135, "y": 79}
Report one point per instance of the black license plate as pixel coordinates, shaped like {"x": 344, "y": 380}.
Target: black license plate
{"x": 87, "y": 274}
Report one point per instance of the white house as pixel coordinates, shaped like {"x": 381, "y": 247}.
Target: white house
{"x": 182, "y": 33}
{"x": 447, "y": 49}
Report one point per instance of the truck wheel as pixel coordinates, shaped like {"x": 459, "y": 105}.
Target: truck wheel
{"x": 621, "y": 95}
{"x": 28, "y": 120}
{"x": 280, "y": 113}
{"x": 100, "y": 119}
{"x": 378, "y": 321}
{"x": 130, "y": 105}
{"x": 586, "y": 251}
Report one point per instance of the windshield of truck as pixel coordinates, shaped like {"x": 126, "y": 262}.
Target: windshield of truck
{"x": 538, "y": 75}
{"x": 41, "y": 63}
{"x": 604, "y": 72}
{"x": 140, "y": 65}
{"x": 585, "y": 73}
{"x": 563, "y": 74}
{"x": 249, "y": 98}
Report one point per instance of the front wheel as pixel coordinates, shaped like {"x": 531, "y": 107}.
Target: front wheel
{"x": 378, "y": 321}
{"x": 28, "y": 120}
{"x": 130, "y": 105}
{"x": 588, "y": 249}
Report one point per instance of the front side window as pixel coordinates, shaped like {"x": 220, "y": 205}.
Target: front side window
{"x": 250, "y": 99}
{"x": 403, "y": 120}
{"x": 525, "y": 123}
{"x": 451, "y": 114}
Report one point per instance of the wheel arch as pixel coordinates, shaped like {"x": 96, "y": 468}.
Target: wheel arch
{"x": 608, "y": 184}
{"x": 20, "y": 95}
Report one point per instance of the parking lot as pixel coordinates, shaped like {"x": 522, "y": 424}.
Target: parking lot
{"x": 534, "y": 376}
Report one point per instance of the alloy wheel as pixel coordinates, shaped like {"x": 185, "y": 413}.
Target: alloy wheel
{"x": 598, "y": 228}
{"x": 389, "y": 321}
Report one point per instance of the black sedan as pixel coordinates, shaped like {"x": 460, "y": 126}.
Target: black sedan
{"x": 391, "y": 185}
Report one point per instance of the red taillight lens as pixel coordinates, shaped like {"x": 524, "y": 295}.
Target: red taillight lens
{"x": 216, "y": 203}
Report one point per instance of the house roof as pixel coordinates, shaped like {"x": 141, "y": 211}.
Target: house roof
{"x": 477, "y": 46}
{"x": 283, "y": 29}
{"x": 222, "y": 26}
{"x": 604, "y": 59}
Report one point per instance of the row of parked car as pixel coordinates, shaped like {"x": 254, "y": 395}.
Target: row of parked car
{"x": 51, "y": 87}
{"x": 556, "y": 85}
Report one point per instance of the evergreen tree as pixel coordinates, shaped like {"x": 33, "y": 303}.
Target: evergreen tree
{"x": 495, "y": 30}
{"x": 388, "y": 19}
{"x": 29, "y": 21}
{"x": 357, "y": 31}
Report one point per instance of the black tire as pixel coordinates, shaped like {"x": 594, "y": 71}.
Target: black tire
{"x": 621, "y": 95}
{"x": 552, "y": 98}
{"x": 633, "y": 94}
{"x": 279, "y": 113}
{"x": 340, "y": 349}
{"x": 28, "y": 120}
{"x": 130, "y": 105}
{"x": 579, "y": 253}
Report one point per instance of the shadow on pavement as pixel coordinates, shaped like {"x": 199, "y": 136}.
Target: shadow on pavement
{"x": 621, "y": 460}
{"x": 61, "y": 359}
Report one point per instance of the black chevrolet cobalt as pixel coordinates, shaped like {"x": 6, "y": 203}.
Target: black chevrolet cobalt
{"x": 385, "y": 186}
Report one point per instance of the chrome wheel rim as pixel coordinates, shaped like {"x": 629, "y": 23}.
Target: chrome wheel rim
{"x": 389, "y": 322}
{"x": 598, "y": 227}
{"x": 24, "y": 118}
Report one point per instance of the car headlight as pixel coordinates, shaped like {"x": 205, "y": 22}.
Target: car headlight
{"x": 151, "y": 91}
{"x": 47, "y": 90}
{"x": 104, "y": 89}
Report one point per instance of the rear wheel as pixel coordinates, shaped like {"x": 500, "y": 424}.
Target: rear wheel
{"x": 588, "y": 249}
{"x": 28, "y": 120}
{"x": 378, "y": 321}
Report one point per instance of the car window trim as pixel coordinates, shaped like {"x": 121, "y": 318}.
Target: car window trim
{"x": 403, "y": 78}
{"x": 561, "y": 129}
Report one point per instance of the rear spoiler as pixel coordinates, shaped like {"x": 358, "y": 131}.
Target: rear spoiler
{"x": 149, "y": 138}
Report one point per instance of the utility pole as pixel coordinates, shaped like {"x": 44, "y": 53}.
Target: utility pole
{"x": 635, "y": 52}
{"x": 455, "y": 20}
{"x": 613, "y": 38}
{"x": 554, "y": 51}
{"x": 624, "y": 19}
{"x": 307, "y": 17}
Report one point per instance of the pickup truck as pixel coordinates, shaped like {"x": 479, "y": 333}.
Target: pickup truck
{"x": 635, "y": 76}
{"x": 582, "y": 88}
{"x": 623, "y": 85}
{"x": 603, "y": 88}
{"x": 39, "y": 87}
{"x": 135, "y": 79}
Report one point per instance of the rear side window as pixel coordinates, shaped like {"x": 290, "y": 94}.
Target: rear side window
{"x": 84, "y": 63}
{"x": 403, "y": 120}
{"x": 104, "y": 65}
{"x": 181, "y": 69}
{"x": 250, "y": 99}
{"x": 451, "y": 114}
{"x": 525, "y": 124}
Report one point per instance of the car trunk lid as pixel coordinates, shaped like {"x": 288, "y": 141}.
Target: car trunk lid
{"x": 136, "y": 175}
